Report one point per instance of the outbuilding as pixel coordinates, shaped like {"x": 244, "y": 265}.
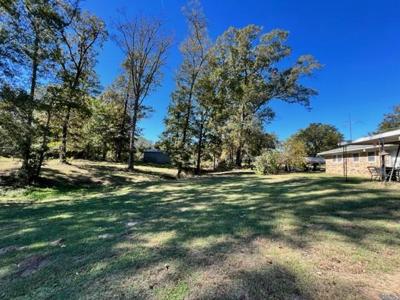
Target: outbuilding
{"x": 156, "y": 156}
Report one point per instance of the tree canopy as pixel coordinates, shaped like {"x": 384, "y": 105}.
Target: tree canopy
{"x": 318, "y": 137}
{"x": 390, "y": 120}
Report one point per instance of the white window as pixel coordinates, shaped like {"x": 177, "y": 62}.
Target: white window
{"x": 334, "y": 158}
{"x": 338, "y": 158}
{"x": 371, "y": 156}
{"x": 356, "y": 157}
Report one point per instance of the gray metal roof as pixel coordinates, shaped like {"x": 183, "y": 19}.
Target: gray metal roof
{"x": 349, "y": 149}
{"x": 315, "y": 160}
{"x": 387, "y": 137}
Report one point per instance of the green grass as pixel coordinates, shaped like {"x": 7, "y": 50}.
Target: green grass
{"x": 218, "y": 237}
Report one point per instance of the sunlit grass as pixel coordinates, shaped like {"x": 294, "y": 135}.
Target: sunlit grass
{"x": 236, "y": 236}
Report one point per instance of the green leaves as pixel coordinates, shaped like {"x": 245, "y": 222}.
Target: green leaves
{"x": 319, "y": 137}
{"x": 390, "y": 121}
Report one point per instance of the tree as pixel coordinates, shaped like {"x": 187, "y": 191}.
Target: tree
{"x": 29, "y": 38}
{"x": 390, "y": 121}
{"x": 269, "y": 162}
{"x": 179, "y": 123}
{"x": 77, "y": 58}
{"x": 248, "y": 63}
{"x": 123, "y": 84}
{"x": 145, "y": 47}
{"x": 294, "y": 153}
{"x": 319, "y": 137}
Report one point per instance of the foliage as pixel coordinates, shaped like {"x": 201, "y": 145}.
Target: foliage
{"x": 247, "y": 61}
{"x": 269, "y": 162}
{"x": 294, "y": 153}
{"x": 221, "y": 102}
{"x": 319, "y": 137}
{"x": 76, "y": 55}
{"x": 47, "y": 59}
{"x": 186, "y": 114}
{"x": 144, "y": 46}
{"x": 390, "y": 121}
{"x": 29, "y": 38}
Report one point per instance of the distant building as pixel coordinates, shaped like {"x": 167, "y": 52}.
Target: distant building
{"x": 314, "y": 163}
{"x": 155, "y": 156}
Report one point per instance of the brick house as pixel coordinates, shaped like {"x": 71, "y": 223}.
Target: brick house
{"x": 357, "y": 156}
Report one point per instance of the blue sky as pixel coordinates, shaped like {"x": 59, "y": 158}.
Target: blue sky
{"x": 357, "y": 41}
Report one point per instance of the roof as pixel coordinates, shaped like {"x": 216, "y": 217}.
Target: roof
{"x": 387, "y": 137}
{"x": 315, "y": 160}
{"x": 350, "y": 149}
{"x": 153, "y": 151}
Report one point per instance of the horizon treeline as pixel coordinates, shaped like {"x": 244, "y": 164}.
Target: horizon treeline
{"x": 51, "y": 103}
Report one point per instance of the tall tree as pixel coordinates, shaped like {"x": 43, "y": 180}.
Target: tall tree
{"x": 77, "y": 53}
{"x": 391, "y": 120}
{"x": 29, "y": 35}
{"x": 124, "y": 84}
{"x": 194, "y": 51}
{"x": 145, "y": 48}
{"x": 249, "y": 64}
{"x": 319, "y": 137}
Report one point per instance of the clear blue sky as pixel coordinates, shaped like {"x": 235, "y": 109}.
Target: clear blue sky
{"x": 358, "y": 42}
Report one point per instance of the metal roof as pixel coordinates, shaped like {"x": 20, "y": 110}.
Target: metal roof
{"x": 315, "y": 160}
{"x": 350, "y": 149}
{"x": 387, "y": 137}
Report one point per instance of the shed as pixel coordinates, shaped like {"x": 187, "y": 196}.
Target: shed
{"x": 156, "y": 156}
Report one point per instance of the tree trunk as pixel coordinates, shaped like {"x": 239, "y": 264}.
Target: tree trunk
{"x": 43, "y": 148}
{"x": 63, "y": 148}
{"x": 131, "y": 160}
{"x": 26, "y": 168}
{"x": 238, "y": 160}
{"x": 119, "y": 146}
{"x": 199, "y": 148}
{"x": 213, "y": 161}
{"x": 104, "y": 154}
{"x": 186, "y": 125}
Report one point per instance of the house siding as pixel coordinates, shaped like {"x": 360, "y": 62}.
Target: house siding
{"x": 354, "y": 168}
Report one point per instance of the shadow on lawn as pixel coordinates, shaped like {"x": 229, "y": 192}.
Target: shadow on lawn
{"x": 96, "y": 175}
{"x": 239, "y": 209}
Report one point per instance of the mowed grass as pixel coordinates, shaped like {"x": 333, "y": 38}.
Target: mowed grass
{"x": 228, "y": 236}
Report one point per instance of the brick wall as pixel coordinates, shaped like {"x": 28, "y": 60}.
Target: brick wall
{"x": 354, "y": 168}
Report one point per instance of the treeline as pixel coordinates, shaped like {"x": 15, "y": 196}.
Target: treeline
{"x": 223, "y": 91}
{"x": 50, "y": 101}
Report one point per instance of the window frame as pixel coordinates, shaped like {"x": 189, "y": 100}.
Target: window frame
{"x": 356, "y": 155}
{"x": 373, "y": 156}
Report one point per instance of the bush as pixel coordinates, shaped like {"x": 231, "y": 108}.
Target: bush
{"x": 268, "y": 163}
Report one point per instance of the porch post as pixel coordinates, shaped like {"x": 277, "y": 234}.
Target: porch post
{"x": 394, "y": 164}
{"x": 383, "y": 169}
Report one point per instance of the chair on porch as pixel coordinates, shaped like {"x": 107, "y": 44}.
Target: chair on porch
{"x": 376, "y": 173}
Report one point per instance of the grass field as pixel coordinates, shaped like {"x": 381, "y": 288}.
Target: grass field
{"x": 228, "y": 236}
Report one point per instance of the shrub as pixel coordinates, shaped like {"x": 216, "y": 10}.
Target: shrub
{"x": 268, "y": 163}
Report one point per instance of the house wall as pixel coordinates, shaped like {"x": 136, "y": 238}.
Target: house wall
{"x": 354, "y": 168}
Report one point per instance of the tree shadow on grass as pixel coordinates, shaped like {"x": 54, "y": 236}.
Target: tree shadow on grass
{"x": 236, "y": 209}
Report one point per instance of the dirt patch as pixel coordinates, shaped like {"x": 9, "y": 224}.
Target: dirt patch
{"x": 32, "y": 264}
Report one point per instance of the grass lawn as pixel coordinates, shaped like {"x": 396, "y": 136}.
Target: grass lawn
{"x": 228, "y": 236}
